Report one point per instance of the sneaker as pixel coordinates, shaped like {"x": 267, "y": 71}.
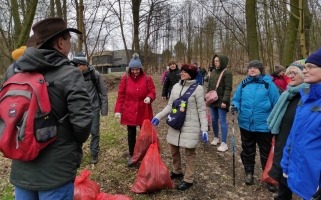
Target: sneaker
{"x": 94, "y": 159}
{"x": 271, "y": 187}
{"x": 223, "y": 147}
{"x": 215, "y": 141}
{"x": 249, "y": 180}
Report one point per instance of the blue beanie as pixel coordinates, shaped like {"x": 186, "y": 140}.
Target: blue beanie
{"x": 135, "y": 61}
{"x": 315, "y": 58}
{"x": 80, "y": 59}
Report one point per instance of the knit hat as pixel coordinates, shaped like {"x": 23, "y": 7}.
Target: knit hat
{"x": 298, "y": 63}
{"x": 135, "y": 61}
{"x": 190, "y": 69}
{"x": 80, "y": 59}
{"x": 256, "y": 63}
{"x": 18, "y": 52}
{"x": 315, "y": 58}
{"x": 278, "y": 69}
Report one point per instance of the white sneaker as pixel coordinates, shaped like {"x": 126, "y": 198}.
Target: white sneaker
{"x": 223, "y": 147}
{"x": 215, "y": 141}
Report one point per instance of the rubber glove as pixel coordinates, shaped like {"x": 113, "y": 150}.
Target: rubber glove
{"x": 155, "y": 121}
{"x": 117, "y": 115}
{"x": 205, "y": 136}
{"x": 147, "y": 100}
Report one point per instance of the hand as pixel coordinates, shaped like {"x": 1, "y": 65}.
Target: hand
{"x": 155, "y": 121}
{"x": 285, "y": 175}
{"x": 233, "y": 109}
{"x": 205, "y": 136}
{"x": 117, "y": 115}
{"x": 147, "y": 100}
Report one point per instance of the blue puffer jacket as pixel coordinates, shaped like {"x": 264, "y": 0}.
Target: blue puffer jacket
{"x": 301, "y": 156}
{"x": 254, "y": 99}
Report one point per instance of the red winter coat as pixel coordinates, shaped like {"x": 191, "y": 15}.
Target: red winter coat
{"x": 130, "y": 101}
{"x": 281, "y": 82}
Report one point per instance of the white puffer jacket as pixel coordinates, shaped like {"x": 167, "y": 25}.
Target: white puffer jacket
{"x": 195, "y": 121}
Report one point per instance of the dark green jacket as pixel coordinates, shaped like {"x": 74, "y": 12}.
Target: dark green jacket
{"x": 56, "y": 164}
{"x": 225, "y": 87}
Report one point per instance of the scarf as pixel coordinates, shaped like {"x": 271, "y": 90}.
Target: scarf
{"x": 277, "y": 113}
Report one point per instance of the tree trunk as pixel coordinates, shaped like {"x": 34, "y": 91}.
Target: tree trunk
{"x": 251, "y": 25}
{"x": 135, "y": 11}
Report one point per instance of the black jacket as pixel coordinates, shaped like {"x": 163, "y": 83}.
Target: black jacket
{"x": 57, "y": 164}
{"x": 171, "y": 79}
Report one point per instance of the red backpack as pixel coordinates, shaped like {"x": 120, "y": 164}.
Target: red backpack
{"x": 26, "y": 121}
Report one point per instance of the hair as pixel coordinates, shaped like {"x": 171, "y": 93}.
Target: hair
{"x": 51, "y": 43}
{"x": 171, "y": 62}
{"x": 130, "y": 72}
{"x": 298, "y": 70}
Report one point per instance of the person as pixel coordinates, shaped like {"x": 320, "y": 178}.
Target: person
{"x": 188, "y": 136}
{"x": 254, "y": 99}
{"x": 280, "y": 122}
{"x": 220, "y": 107}
{"x": 135, "y": 94}
{"x": 301, "y": 161}
{"x": 199, "y": 76}
{"x": 51, "y": 175}
{"x": 171, "y": 79}
{"x": 164, "y": 75}
{"x": 279, "y": 78}
{"x": 98, "y": 97}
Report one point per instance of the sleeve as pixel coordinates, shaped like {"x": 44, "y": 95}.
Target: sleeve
{"x": 228, "y": 82}
{"x": 273, "y": 93}
{"x": 286, "y": 154}
{"x": 201, "y": 108}
{"x": 237, "y": 97}
{"x": 165, "y": 87}
{"x": 121, "y": 94}
{"x": 151, "y": 88}
{"x": 103, "y": 94}
{"x": 79, "y": 106}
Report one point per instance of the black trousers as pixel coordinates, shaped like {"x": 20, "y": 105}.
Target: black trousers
{"x": 284, "y": 192}
{"x": 249, "y": 140}
{"x": 131, "y": 135}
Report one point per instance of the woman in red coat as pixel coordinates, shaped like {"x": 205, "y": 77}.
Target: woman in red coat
{"x": 135, "y": 94}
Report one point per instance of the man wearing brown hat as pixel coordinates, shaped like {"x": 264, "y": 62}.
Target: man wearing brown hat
{"x": 51, "y": 175}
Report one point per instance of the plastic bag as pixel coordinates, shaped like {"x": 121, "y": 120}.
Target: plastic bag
{"x": 147, "y": 136}
{"x": 153, "y": 174}
{"x": 105, "y": 196}
{"x": 265, "y": 176}
{"x": 85, "y": 188}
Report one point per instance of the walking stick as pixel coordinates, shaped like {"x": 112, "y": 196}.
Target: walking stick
{"x": 233, "y": 146}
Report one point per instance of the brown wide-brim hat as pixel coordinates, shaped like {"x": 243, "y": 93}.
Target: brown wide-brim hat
{"x": 49, "y": 28}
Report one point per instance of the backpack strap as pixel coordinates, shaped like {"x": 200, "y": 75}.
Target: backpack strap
{"x": 189, "y": 91}
{"x": 266, "y": 84}
{"x": 219, "y": 79}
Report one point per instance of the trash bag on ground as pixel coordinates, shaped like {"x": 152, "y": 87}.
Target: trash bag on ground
{"x": 85, "y": 188}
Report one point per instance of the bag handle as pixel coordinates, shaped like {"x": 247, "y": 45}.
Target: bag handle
{"x": 219, "y": 79}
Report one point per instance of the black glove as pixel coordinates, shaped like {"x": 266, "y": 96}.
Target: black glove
{"x": 317, "y": 195}
{"x": 233, "y": 109}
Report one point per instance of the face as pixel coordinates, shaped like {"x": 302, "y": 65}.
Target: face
{"x": 82, "y": 67}
{"x": 172, "y": 66}
{"x": 281, "y": 73}
{"x": 253, "y": 71}
{"x": 135, "y": 71}
{"x": 64, "y": 44}
{"x": 217, "y": 62}
{"x": 294, "y": 77}
{"x": 185, "y": 75}
{"x": 312, "y": 73}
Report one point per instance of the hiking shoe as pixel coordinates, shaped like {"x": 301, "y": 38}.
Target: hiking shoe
{"x": 271, "y": 187}
{"x": 94, "y": 159}
{"x": 184, "y": 186}
{"x": 249, "y": 180}
{"x": 223, "y": 147}
{"x": 215, "y": 141}
{"x": 176, "y": 176}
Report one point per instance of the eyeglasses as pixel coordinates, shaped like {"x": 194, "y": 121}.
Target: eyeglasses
{"x": 291, "y": 73}
{"x": 308, "y": 67}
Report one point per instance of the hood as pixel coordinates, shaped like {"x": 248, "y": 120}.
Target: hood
{"x": 223, "y": 62}
{"x": 41, "y": 60}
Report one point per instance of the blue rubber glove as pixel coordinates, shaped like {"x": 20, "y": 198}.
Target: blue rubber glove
{"x": 205, "y": 136}
{"x": 155, "y": 121}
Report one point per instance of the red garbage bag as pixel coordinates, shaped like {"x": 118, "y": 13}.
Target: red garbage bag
{"x": 153, "y": 174}
{"x": 85, "y": 188}
{"x": 147, "y": 136}
{"x": 105, "y": 196}
{"x": 265, "y": 176}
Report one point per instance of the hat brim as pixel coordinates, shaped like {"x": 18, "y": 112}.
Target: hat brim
{"x": 54, "y": 35}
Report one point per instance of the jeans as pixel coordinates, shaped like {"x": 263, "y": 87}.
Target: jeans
{"x": 65, "y": 192}
{"x": 95, "y": 134}
{"x": 219, "y": 115}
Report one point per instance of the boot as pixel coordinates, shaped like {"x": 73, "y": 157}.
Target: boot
{"x": 249, "y": 180}
{"x": 94, "y": 159}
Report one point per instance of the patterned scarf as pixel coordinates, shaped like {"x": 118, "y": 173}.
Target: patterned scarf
{"x": 277, "y": 113}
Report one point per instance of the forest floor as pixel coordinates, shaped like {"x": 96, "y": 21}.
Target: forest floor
{"x": 213, "y": 175}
